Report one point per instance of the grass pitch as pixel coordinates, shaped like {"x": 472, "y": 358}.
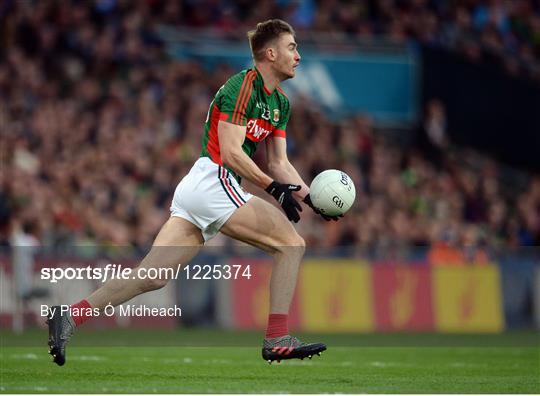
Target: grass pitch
{"x": 221, "y": 362}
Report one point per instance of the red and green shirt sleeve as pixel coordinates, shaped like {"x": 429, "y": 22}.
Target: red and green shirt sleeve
{"x": 234, "y": 98}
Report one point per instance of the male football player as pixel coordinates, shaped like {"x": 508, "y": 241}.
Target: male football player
{"x": 249, "y": 108}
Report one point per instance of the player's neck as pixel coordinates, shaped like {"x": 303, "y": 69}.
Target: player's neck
{"x": 271, "y": 81}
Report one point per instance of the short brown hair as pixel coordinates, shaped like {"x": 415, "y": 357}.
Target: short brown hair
{"x": 264, "y": 33}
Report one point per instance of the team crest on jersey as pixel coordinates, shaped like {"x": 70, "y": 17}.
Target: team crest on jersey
{"x": 276, "y": 115}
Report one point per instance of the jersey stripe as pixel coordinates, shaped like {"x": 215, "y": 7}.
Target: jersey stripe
{"x": 239, "y": 98}
{"x": 245, "y": 95}
{"x": 248, "y": 96}
{"x": 243, "y": 98}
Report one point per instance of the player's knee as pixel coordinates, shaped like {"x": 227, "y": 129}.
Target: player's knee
{"x": 293, "y": 244}
{"x": 300, "y": 243}
{"x": 154, "y": 284}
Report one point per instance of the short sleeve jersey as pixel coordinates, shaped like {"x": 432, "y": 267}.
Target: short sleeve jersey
{"x": 244, "y": 100}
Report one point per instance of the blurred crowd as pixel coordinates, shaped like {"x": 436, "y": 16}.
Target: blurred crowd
{"x": 428, "y": 194}
{"x": 506, "y": 32}
{"x": 98, "y": 127}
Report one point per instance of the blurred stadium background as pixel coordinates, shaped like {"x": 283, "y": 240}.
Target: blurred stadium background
{"x": 431, "y": 106}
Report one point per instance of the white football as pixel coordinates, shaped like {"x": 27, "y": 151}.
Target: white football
{"x": 332, "y": 192}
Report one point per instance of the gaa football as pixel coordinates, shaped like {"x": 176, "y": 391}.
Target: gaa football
{"x": 332, "y": 192}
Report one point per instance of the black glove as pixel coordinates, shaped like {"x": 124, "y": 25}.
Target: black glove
{"x": 283, "y": 194}
{"x": 307, "y": 201}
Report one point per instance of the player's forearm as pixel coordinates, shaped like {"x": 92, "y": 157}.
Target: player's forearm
{"x": 286, "y": 173}
{"x": 244, "y": 166}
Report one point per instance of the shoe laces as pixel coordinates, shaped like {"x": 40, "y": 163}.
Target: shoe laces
{"x": 284, "y": 341}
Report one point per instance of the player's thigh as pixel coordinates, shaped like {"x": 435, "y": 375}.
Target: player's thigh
{"x": 178, "y": 232}
{"x": 177, "y": 242}
{"x": 261, "y": 224}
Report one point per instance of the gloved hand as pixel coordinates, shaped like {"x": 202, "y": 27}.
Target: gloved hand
{"x": 307, "y": 201}
{"x": 283, "y": 194}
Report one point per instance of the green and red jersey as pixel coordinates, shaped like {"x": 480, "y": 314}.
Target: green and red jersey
{"x": 244, "y": 100}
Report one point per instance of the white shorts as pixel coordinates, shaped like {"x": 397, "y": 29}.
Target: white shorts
{"x": 207, "y": 196}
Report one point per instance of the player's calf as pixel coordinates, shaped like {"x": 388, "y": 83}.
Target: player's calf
{"x": 153, "y": 284}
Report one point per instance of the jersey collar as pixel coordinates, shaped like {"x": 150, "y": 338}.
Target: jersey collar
{"x": 259, "y": 76}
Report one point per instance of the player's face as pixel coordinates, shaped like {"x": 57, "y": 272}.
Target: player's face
{"x": 287, "y": 58}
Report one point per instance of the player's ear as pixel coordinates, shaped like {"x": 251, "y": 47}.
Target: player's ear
{"x": 271, "y": 54}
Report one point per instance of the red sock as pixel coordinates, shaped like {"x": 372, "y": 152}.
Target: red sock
{"x": 277, "y": 325}
{"x": 81, "y": 313}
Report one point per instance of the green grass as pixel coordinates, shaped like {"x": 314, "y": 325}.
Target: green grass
{"x": 398, "y": 364}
